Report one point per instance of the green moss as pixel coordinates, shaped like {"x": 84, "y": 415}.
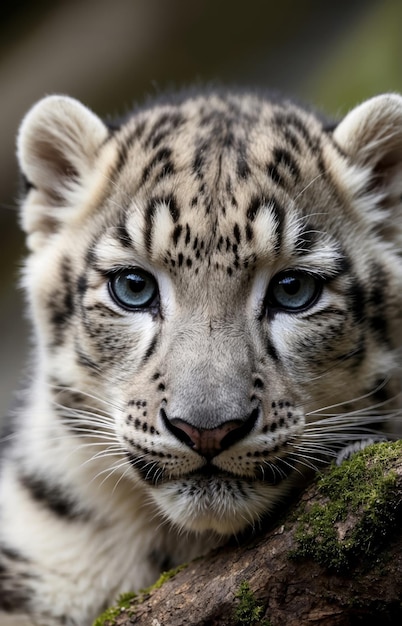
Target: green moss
{"x": 127, "y": 601}
{"x": 249, "y": 611}
{"x": 124, "y": 603}
{"x": 165, "y": 576}
{"x": 362, "y": 488}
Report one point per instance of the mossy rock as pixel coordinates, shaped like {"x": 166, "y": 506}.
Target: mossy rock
{"x": 248, "y": 611}
{"x": 357, "y": 510}
{"x": 127, "y": 601}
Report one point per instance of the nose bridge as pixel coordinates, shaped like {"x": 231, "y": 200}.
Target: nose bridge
{"x": 209, "y": 374}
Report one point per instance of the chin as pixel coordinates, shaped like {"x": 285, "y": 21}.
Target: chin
{"x": 219, "y": 505}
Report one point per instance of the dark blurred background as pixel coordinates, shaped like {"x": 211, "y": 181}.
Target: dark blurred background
{"x": 112, "y": 53}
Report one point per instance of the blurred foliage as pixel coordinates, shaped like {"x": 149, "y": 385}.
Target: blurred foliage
{"x": 367, "y": 61}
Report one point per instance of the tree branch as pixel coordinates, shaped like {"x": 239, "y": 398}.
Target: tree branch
{"x": 335, "y": 561}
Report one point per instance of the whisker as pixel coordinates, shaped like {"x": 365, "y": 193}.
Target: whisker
{"x": 312, "y": 181}
{"x": 75, "y": 412}
{"x": 358, "y": 399}
{"x": 82, "y": 392}
{"x": 124, "y": 474}
{"x": 109, "y": 471}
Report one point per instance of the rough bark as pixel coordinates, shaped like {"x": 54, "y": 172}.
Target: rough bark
{"x": 300, "y": 572}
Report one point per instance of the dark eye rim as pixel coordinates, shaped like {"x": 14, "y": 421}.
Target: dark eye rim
{"x": 275, "y": 307}
{"x": 151, "y": 304}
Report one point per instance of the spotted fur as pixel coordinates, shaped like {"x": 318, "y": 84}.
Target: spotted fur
{"x": 216, "y": 289}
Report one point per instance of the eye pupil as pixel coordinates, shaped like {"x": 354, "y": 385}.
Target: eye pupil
{"x": 135, "y": 283}
{"x": 293, "y": 291}
{"x": 133, "y": 289}
{"x": 291, "y": 285}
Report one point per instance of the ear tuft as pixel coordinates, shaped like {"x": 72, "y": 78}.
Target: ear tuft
{"x": 57, "y": 145}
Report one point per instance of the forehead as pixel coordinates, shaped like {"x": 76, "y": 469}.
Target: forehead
{"x": 213, "y": 147}
{"x": 217, "y": 183}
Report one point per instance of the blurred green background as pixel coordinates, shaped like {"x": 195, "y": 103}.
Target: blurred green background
{"x": 111, "y": 53}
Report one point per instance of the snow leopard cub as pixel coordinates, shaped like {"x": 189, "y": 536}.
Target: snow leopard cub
{"x": 215, "y": 287}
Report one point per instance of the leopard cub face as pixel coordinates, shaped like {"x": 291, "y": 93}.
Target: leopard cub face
{"x": 216, "y": 288}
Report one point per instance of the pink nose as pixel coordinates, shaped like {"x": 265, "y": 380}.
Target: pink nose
{"x": 209, "y": 442}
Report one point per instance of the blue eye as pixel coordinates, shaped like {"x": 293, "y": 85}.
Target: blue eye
{"x": 133, "y": 289}
{"x": 293, "y": 291}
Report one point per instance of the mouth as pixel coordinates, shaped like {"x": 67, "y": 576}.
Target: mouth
{"x": 271, "y": 475}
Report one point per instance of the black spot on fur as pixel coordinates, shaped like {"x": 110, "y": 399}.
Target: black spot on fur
{"x": 149, "y": 222}
{"x": 275, "y": 176}
{"x": 279, "y": 214}
{"x": 236, "y": 233}
{"x": 253, "y": 208}
{"x": 272, "y": 351}
{"x": 82, "y": 284}
{"x": 291, "y": 138}
{"x": 188, "y": 235}
{"x": 173, "y": 207}
{"x": 151, "y": 349}
{"x": 91, "y": 256}
{"x": 243, "y": 168}
{"x": 15, "y": 590}
{"x": 163, "y": 155}
{"x": 259, "y": 383}
{"x": 7, "y": 553}
{"x": 282, "y": 160}
{"x": 290, "y": 121}
{"x": 124, "y": 149}
{"x": 122, "y": 233}
{"x": 249, "y": 233}
{"x": 61, "y": 304}
{"x": 53, "y": 497}
{"x": 168, "y": 169}
{"x": 176, "y": 234}
{"x": 166, "y": 123}
{"x": 285, "y": 159}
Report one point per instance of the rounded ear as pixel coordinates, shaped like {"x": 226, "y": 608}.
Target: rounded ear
{"x": 57, "y": 145}
{"x": 371, "y": 135}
